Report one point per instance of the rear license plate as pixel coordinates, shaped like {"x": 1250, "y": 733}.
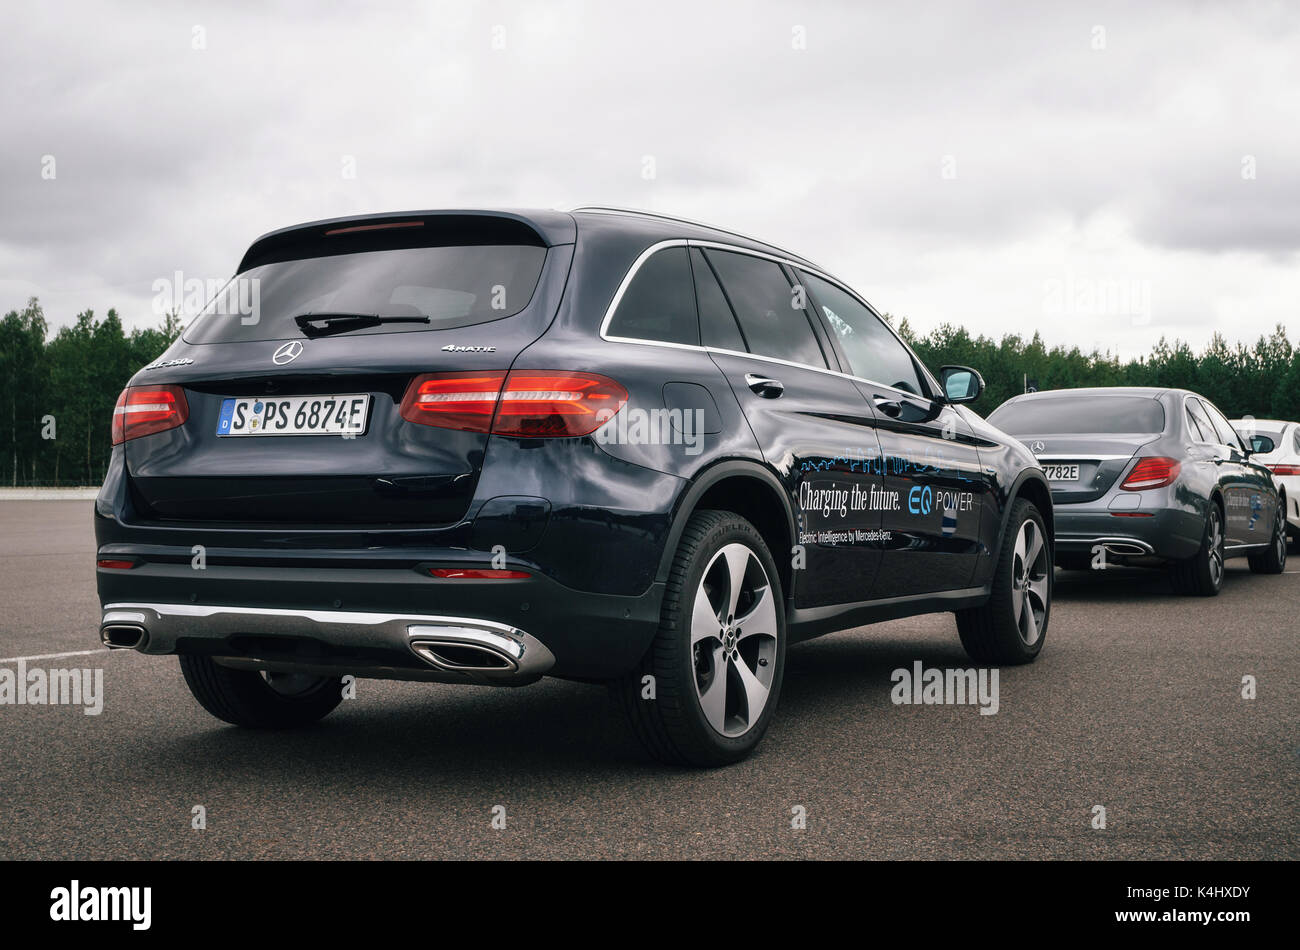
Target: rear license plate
{"x": 1061, "y": 473}
{"x": 295, "y": 415}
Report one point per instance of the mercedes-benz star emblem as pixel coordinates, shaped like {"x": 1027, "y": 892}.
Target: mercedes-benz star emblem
{"x": 287, "y": 353}
{"x": 1034, "y": 447}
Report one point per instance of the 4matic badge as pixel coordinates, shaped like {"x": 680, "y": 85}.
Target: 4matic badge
{"x": 165, "y": 363}
{"x": 453, "y": 348}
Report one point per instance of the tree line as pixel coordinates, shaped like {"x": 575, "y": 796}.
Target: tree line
{"x": 57, "y": 392}
{"x": 1261, "y": 380}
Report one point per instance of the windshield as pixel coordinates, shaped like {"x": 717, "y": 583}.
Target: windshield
{"x": 451, "y": 286}
{"x": 1083, "y": 414}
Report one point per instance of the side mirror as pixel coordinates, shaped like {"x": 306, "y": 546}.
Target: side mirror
{"x": 1261, "y": 445}
{"x": 960, "y": 383}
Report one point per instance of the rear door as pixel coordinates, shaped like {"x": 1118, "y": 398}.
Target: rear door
{"x": 930, "y": 464}
{"x": 1249, "y": 496}
{"x": 810, "y": 422}
{"x": 293, "y": 424}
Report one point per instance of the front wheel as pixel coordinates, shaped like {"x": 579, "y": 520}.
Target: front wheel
{"x": 707, "y": 687}
{"x": 260, "y": 700}
{"x": 1011, "y": 626}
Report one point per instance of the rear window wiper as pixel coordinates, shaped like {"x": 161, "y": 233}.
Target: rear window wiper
{"x": 327, "y": 324}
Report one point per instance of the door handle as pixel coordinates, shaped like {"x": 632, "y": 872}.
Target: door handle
{"x": 766, "y": 387}
{"x": 890, "y": 407}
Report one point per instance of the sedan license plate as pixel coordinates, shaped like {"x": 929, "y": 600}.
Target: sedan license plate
{"x": 1061, "y": 473}
{"x": 294, "y": 415}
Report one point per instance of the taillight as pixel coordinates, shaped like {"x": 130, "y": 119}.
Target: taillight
{"x": 144, "y": 410}
{"x": 1284, "y": 469}
{"x": 1155, "y": 472}
{"x": 537, "y": 403}
{"x": 453, "y": 400}
{"x": 526, "y": 404}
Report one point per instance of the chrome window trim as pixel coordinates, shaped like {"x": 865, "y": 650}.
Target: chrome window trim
{"x": 794, "y": 264}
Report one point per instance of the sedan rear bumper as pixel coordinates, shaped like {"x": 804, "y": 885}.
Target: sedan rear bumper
{"x": 1167, "y": 534}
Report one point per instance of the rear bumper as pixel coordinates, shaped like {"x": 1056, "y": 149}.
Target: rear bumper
{"x": 356, "y": 607}
{"x": 1168, "y": 534}
{"x": 450, "y": 649}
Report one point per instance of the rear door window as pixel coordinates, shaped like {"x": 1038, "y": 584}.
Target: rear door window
{"x": 767, "y": 308}
{"x": 718, "y": 326}
{"x": 1204, "y": 426}
{"x": 659, "y": 303}
{"x": 1227, "y": 434}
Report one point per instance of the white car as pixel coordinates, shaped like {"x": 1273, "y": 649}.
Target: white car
{"x": 1283, "y": 462}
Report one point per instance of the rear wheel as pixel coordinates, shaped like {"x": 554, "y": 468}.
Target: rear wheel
{"x": 1201, "y": 574}
{"x": 260, "y": 700}
{"x": 1011, "y": 626}
{"x": 1273, "y": 559}
{"x": 706, "y": 689}
{"x": 1074, "y": 562}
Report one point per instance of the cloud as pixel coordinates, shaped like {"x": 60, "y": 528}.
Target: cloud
{"x": 949, "y": 161}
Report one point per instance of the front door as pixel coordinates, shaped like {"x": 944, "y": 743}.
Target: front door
{"x": 929, "y": 462}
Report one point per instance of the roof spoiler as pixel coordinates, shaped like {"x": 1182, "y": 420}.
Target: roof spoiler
{"x": 373, "y": 232}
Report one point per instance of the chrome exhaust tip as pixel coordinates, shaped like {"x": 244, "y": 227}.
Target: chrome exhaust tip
{"x": 123, "y": 630}
{"x": 480, "y": 649}
{"x": 463, "y": 657}
{"x": 123, "y": 636}
{"x": 1125, "y": 548}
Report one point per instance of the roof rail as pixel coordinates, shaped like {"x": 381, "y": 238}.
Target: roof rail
{"x": 609, "y": 209}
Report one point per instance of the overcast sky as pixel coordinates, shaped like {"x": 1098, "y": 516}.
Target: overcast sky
{"x": 1105, "y": 174}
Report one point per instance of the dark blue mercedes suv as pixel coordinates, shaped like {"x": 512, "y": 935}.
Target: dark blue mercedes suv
{"x": 488, "y": 446}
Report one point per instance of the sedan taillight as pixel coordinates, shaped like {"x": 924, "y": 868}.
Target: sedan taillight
{"x": 144, "y": 410}
{"x": 525, "y": 403}
{"x": 1155, "y": 472}
{"x": 1284, "y": 469}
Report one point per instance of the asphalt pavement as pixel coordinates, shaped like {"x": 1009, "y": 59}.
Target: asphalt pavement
{"x": 1135, "y": 705}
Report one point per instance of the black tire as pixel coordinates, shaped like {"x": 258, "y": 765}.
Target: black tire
{"x": 1074, "y": 562}
{"x": 1201, "y": 575}
{"x": 673, "y": 725}
{"x": 1272, "y": 560}
{"x": 246, "y": 698}
{"x": 998, "y": 631}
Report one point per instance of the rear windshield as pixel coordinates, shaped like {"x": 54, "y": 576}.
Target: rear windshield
{"x": 451, "y": 286}
{"x": 1083, "y": 414}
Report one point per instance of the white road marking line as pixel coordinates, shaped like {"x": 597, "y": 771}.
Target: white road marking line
{"x": 55, "y": 656}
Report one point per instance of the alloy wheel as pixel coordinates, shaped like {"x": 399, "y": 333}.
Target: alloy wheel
{"x": 1029, "y": 581}
{"x": 1216, "y": 547}
{"x": 1280, "y": 539}
{"x": 734, "y": 640}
